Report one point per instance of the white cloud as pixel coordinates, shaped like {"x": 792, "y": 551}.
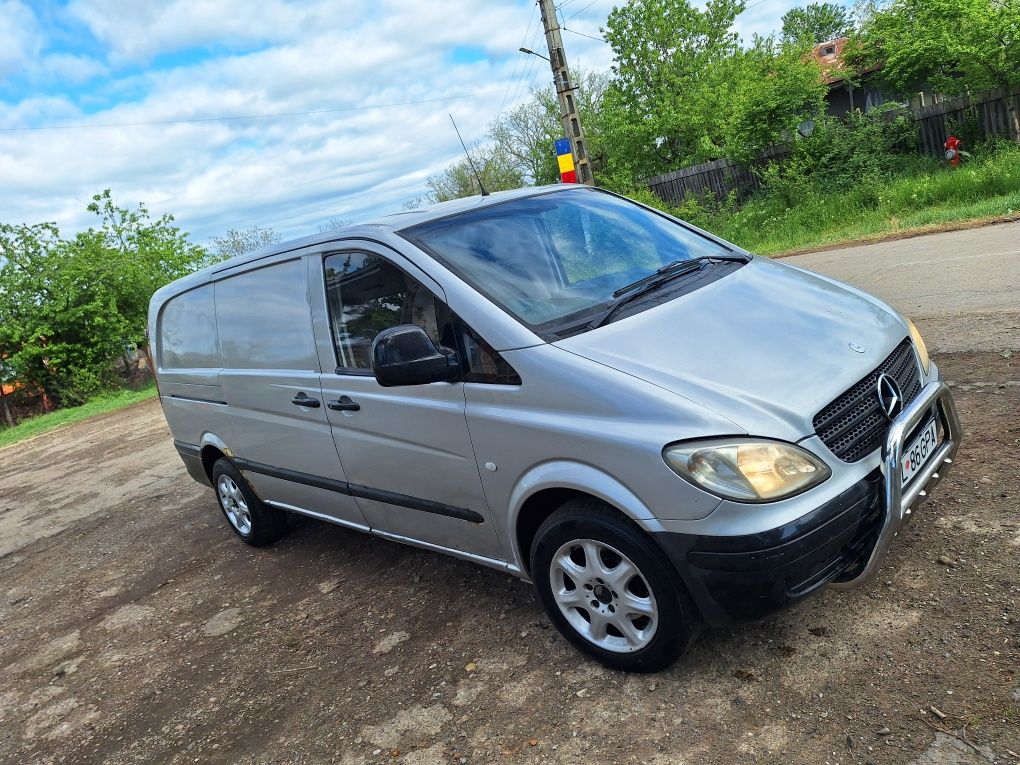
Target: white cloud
{"x": 290, "y": 173}
{"x": 20, "y": 37}
{"x": 136, "y": 30}
{"x": 70, "y": 68}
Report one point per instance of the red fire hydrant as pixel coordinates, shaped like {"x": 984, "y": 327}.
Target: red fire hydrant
{"x": 952, "y": 145}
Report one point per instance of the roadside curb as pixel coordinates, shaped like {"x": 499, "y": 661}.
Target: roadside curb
{"x": 911, "y": 233}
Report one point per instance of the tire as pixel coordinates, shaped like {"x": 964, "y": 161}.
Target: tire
{"x": 629, "y": 609}
{"x": 248, "y": 516}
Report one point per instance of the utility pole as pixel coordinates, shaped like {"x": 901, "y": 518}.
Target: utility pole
{"x": 565, "y": 91}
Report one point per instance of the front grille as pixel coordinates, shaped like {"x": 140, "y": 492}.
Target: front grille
{"x": 854, "y": 425}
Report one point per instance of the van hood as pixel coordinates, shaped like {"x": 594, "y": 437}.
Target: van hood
{"x": 767, "y": 346}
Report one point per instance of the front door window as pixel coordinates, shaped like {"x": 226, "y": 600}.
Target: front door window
{"x": 367, "y": 294}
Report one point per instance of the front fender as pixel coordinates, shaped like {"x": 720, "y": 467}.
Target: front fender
{"x": 568, "y": 474}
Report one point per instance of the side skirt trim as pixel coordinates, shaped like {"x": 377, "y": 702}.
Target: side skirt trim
{"x": 319, "y": 516}
{"x": 501, "y": 565}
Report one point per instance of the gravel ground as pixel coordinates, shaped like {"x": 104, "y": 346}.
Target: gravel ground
{"x": 134, "y": 627}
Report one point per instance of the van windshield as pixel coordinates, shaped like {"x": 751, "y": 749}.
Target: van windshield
{"x": 554, "y": 259}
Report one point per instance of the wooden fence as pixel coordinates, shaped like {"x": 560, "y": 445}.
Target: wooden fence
{"x": 989, "y": 111}
{"x": 718, "y": 178}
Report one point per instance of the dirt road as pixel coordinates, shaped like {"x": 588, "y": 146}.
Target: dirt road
{"x": 134, "y": 627}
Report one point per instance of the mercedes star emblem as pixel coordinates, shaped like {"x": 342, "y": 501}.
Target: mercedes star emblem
{"x": 889, "y": 396}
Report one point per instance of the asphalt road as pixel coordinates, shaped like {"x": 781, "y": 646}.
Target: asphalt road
{"x": 961, "y": 288}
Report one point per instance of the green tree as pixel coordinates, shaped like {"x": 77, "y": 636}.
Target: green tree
{"x": 662, "y": 108}
{"x": 769, "y": 90}
{"x": 685, "y": 92}
{"x": 68, "y": 307}
{"x": 136, "y": 255}
{"x": 950, "y": 46}
{"x": 815, "y": 23}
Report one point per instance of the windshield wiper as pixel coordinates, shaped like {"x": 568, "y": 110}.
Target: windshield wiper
{"x": 670, "y": 268}
{"x": 652, "y": 282}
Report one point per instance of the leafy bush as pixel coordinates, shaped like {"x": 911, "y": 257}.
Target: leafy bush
{"x": 967, "y": 128}
{"x": 68, "y": 305}
{"x": 77, "y": 386}
{"x": 794, "y": 213}
{"x": 844, "y": 154}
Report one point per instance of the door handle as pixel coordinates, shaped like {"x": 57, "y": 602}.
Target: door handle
{"x": 302, "y": 399}
{"x": 344, "y": 404}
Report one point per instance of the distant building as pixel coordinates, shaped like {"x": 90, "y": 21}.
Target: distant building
{"x": 843, "y": 96}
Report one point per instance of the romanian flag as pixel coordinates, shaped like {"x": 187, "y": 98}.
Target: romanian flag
{"x": 565, "y": 158}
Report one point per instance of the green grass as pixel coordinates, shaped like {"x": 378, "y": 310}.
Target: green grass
{"x": 928, "y": 193}
{"x": 43, "y": 423}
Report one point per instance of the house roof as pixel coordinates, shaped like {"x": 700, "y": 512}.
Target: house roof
{"x": 829, "y": 55}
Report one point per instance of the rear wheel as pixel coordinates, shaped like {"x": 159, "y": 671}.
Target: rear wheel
{"x": 610, "y": 590}
{"x": 250, "y": 518}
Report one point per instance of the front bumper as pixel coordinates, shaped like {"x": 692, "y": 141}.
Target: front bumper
{"x": 899, "y": 500}
{"x": 737, "y": 579}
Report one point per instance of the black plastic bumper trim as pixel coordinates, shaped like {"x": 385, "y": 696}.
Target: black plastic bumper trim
{"x": 187, "y": 450}
{"x": 747, "y": 578}
{"x": 191, "y": 455}
{"x": 365, "y": 492}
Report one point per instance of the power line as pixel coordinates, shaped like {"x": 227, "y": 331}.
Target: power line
{"x": 232, "y": 117}
{"x": 576, "y": 13}
{"x": 513, "y": 74}
{"x": 531, "y": 65}
{"x": 526, "y": 73}
{"x": 582, "y": 34}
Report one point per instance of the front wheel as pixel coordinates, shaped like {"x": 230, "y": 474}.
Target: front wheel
{"x": 609, "y": 590}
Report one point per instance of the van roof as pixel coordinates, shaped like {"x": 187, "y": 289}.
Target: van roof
{"x": 392, "y": 222}
{"x": 374, "y": 229}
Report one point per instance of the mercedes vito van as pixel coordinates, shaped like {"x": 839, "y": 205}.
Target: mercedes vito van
{"x": 655, "y": 427}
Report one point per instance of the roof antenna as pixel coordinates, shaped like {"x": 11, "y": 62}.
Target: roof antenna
{"x": 470, "y": 161}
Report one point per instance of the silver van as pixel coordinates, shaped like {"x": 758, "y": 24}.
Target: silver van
{"x": 655, "y": 427}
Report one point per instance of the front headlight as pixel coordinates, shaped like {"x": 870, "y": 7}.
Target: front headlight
{"x": 745, "y": 469}
{"x": 922, "y": 349}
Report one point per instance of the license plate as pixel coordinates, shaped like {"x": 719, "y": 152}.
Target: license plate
{"x": 919, "y": 452}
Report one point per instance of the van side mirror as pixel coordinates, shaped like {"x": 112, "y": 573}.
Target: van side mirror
{"x": 406, "y": 355}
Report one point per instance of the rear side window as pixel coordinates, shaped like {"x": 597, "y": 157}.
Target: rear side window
{"x": 188, "y": 331}
{"x": 367, "y": 294}
{"x": 264, "y": 319}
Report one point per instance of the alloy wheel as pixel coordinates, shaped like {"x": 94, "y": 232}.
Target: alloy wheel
{"x": 234, "y": 505}
{"x": 603, "y": 595}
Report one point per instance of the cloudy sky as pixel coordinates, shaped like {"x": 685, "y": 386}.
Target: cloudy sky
{"x": 153, "y": 99}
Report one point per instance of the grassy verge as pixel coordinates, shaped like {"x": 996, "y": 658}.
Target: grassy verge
{"x": 928, "y": 194}
{"x": 43, "y": 423}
